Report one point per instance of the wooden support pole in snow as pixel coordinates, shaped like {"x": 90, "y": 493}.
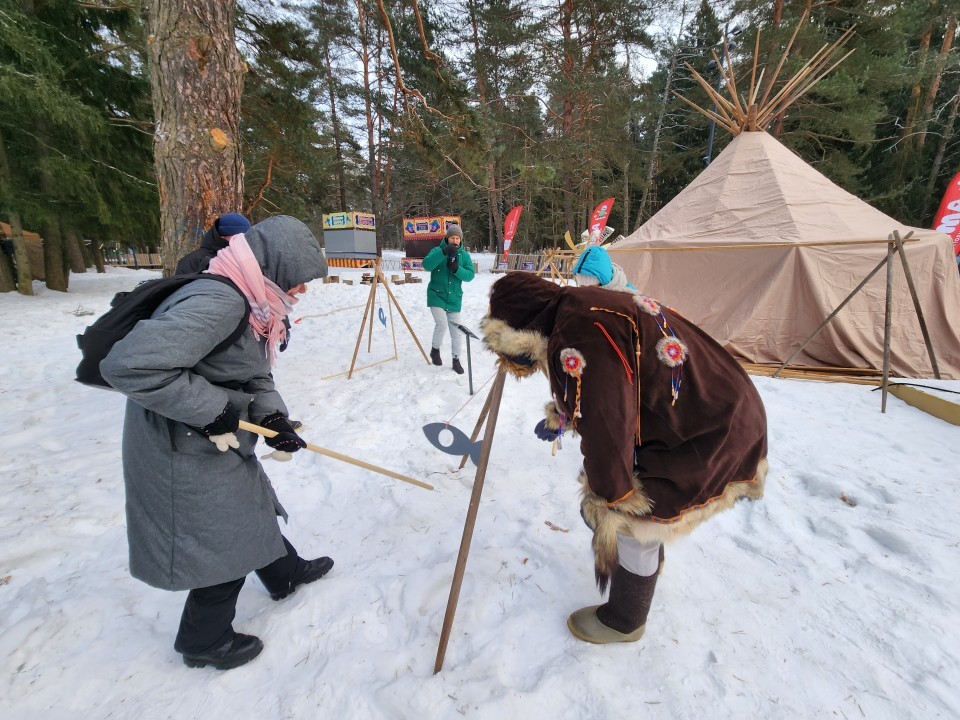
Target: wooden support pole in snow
{"x": 887, "y": 320}
{"x": 916, "y": 300}
{"x": 496, "y": 393}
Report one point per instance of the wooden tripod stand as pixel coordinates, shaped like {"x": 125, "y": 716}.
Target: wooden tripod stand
{"x": 378, "y": 279}
{"x": 894, "y": 246}
{"x": 491, "y": 409}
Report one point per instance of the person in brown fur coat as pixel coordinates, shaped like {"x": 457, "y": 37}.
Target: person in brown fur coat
{"x": 672, "y": 430}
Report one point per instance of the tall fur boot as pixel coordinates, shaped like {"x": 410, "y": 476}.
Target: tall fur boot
{"x": 623, "y": 617}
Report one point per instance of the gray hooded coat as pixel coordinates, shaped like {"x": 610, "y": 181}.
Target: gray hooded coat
{"x": 197, "y": 516}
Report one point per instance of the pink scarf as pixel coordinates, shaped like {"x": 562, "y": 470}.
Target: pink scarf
{"x": 269, "y": 305}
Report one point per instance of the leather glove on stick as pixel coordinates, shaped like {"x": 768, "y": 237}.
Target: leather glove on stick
{"x": 286, "y": 441}
{"x": 221, "y": 431}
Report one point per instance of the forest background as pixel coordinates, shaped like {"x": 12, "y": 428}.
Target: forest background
{"x": 463, "y": 107}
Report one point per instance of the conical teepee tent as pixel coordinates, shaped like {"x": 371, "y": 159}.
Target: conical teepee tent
{"x": 761, "y": 248}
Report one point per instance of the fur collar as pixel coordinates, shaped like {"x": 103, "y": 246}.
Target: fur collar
{"x": 508, "y": 342}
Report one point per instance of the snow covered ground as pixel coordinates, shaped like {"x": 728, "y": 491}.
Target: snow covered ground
{"x": 836, "y": 596}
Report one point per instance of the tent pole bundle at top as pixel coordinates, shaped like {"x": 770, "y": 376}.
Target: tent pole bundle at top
{"x": 806, "y": 249}
{"x": 735, "y": 115}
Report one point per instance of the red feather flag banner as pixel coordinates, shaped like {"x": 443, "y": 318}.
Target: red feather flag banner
{"x": 510, "y": 228}
{"x": 598, "y": 221}
{"x": 947, "y": 219}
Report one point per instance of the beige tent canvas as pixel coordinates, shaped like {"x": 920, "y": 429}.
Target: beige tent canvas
{"x": 761, "y": 248}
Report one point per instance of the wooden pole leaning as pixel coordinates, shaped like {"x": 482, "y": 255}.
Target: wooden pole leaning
{"x": 404, "y": 317}
{"x": 256, "y": 429}
{"x": 496, "y": 393}
{"x": 916, "y": 299}
{"x": 368, "y": 309}
{"x": 832, "y": 315}
{"x": 476, "y": 429}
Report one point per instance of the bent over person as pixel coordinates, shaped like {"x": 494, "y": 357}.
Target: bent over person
{"x": 201, "y": 512}
{"x": 672, "y": 429}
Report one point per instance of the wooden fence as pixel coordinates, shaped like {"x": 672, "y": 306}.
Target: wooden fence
{"x": 140, "y": 261}
{"x": 556, "y": 263}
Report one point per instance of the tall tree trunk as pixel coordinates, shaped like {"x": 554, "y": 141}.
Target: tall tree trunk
{"x": 661, "y": 114}
{"x": 335, "y": 122}
{"x": 373, "y": 166}
{"x": 946, "y": 136}
{"x": 74, "y": 253}
{"x": 54, "y": 255}
{"x": 494, "y": 197}
{"x": 938, "y": 76}
{"x": 913, "y": 108}
{"x": 97, "y": 252}
{"x": 197, "y": 80}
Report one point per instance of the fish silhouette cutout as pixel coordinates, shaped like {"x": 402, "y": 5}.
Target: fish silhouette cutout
{"x": 460, "y": 445}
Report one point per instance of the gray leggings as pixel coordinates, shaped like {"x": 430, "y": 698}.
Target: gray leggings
{"x": 442, "y": 318}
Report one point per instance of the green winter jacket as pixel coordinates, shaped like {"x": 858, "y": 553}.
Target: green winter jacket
{"x": 444, "y": 290}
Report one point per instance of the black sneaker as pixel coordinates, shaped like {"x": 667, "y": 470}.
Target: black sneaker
{"x": 238, "y": 650}
{"x": 296, "y": 425}
{"x": 435, "y": 356}
{"x": 309, "y": 571}
{"x": 457, "y": 367}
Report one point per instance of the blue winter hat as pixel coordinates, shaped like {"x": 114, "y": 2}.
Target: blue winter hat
{"x": 596, "y": 262}
{"x": 232, "y": 224}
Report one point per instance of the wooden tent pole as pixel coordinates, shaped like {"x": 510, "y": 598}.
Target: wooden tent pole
{"x": 887, "y": 315}
{"x": 916, "y": 300}
{"x": 496, "y": 393}
{"x": 256, "y": 429}
{"x": 834, "y": 313}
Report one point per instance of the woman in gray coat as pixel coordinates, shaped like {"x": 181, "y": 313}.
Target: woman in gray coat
{"x": 201, "y": 512}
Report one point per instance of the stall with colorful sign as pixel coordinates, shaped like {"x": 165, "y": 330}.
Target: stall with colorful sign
{"x": 349, "y": 238}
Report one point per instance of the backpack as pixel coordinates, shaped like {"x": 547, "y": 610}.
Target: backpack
{"x": 129, "y": 308}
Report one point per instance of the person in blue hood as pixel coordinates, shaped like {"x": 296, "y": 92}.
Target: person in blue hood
{"x": 594, "y": 267}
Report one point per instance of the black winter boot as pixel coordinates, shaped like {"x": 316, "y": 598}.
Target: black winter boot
{"x": 435, "y": 356}
{"x": 238, "y": 650}
{"x": 623, "y": 617}
{"x": 457, "y": 367}
{"x": 307, "y": 571}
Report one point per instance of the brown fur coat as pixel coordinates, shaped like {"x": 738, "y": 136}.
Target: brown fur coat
{"x": 672, "y": 429}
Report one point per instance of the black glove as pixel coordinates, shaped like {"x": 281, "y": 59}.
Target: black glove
{"x": 453, "y": 263}
{"x": 286, "y": 438}
{"x": 545, "y": 433}
{"x": 227, "y": 422}
{"x": 449, "y": 249}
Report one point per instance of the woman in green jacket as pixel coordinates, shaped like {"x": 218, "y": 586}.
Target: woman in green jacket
{"x": 449, "y": 266}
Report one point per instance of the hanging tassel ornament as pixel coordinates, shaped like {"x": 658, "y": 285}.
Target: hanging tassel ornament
{"x": 574, "y": 365}
{"x": 671, "y": 350}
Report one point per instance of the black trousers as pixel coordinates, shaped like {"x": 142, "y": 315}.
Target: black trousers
{"x": 207, "y": 620}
